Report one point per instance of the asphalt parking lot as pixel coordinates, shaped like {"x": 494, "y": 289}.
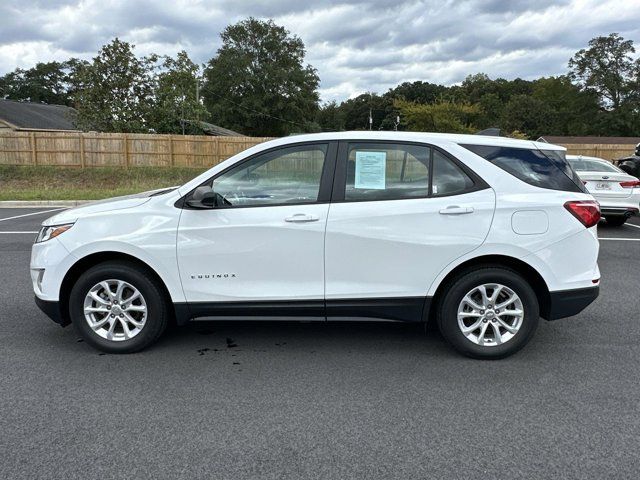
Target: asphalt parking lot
{"x": 268, "y": 400}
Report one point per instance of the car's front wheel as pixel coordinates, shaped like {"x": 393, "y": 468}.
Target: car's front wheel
{"x": 488, "y": 312}
{"x": 118, "y": 307}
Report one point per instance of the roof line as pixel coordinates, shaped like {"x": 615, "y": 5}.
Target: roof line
{"x": 11, "y": 125}
{"x": 24, "y": 129}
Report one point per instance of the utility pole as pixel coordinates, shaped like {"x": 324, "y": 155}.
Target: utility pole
{"x": 197, "y": 98}
{"x": 370, "y": 112}
{"x": 182, "y": 121}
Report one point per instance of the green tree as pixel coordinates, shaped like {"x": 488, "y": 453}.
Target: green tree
{"x": 442, "y": 116}
{"x": 474, "y": 87}
{"x": 45, "y": 83}
{"x": 492, "y": 108}
{"x": 606, "y": 67}
{"x": 571, "y": 111}
{"x": 115, "y": 90}
{"x": 258, "y": 83}
{"x": 356, "y": 111}
{"x": 418, "y": 92}
{"x": 176, "y": 107}
{"x": 491, "y": 96}
{"x": 331, "y": 117}
{"x": 528, "y": 115}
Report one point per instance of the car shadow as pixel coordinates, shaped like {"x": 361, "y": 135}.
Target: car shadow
{"x": 365, "y": 337}
{"x": 618, "y": 231}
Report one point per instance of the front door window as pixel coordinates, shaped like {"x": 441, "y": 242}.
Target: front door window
{"x": 287, "y": 176}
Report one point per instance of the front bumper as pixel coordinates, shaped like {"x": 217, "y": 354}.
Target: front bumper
{"x": 566, "y": 303}
{"x": 52, "y": 310}
{"x": 50, "y": 261}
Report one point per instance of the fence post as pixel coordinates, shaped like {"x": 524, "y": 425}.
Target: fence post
{"x": 171, "y": 159}
{"x": 216, "y": 158}
{"x": 82, "y": 159}
{"x": 32, "y": 144}
{"x": 125, "y": 150}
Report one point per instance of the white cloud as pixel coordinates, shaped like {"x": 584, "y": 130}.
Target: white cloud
{"x": 355, "y": 46}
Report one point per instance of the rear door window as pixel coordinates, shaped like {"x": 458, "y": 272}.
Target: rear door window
{"x": 448, "y": 178}
{"x": 387, "y": 171}
{"x": 540, "y": 168}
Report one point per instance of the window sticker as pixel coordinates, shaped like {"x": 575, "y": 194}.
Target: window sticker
{"x": 370, "y": 170}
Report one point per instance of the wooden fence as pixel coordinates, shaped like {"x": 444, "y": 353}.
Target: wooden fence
{"x": 607, "y": 151}
{"x": 131, "y": 150}
{"x": 87, "y": 150}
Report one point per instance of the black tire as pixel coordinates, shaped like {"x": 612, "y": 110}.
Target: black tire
{"x": 158, "y": 311}
{"x": 616, "y": 220}
{"x": 447, "y": 311}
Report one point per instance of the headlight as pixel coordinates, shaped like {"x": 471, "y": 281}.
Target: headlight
{"x": 47, "y": 233}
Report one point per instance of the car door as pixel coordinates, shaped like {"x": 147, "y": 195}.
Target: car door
{"x": 401, "y": 212}
{"x": 264, "y": 248}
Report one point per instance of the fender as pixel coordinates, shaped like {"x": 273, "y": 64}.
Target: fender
{"x": 166, "y": 269}
{"x": 503, "y": 250}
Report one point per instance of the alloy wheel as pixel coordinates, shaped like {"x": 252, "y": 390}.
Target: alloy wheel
{"x": 490, "y": 314}
{"x": 115, "y": 310}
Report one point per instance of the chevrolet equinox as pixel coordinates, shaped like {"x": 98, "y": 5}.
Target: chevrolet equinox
{"x": 481, "y": 235}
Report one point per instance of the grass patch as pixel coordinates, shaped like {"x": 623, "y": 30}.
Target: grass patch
{"x": 68, "y": 183}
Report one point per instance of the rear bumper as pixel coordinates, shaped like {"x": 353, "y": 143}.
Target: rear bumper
{"x": 613, "y": 205}
{"x": 622, "y": 211}
{"x": 566, "y": 303}
{"x": 52, "y": 310}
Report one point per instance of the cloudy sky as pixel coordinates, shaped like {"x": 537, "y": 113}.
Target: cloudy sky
{"x": 355, "y": 46}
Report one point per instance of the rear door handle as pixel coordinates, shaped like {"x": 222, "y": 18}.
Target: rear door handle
{"x": 301, "y": 218}
{"x": 456, "y": 210}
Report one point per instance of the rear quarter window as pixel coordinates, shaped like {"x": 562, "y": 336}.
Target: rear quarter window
{"x": 540, "y": 168}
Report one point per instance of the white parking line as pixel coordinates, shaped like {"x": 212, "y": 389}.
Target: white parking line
{"x": 29, "y": 214}
{"x": 622, "y": 239}
{"x": 632, "y": 225}
{"x": 17, "y": 232}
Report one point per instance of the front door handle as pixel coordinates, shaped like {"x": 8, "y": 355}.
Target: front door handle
{"x": 301, "y": 218}
{"x": 456, "y": 210}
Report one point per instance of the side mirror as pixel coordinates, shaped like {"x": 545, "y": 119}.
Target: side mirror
{"x": 202, "y": 197}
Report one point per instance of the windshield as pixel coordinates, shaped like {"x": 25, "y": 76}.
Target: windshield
{"x": 588, "y": 165}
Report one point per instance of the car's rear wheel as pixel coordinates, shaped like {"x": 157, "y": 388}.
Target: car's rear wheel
{"x": 118, "y": 308}
{"x": 488, "y": 312}
{"x": 616, "y": 220}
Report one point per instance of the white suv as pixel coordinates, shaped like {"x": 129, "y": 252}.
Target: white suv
{"x": 482, "y": 235}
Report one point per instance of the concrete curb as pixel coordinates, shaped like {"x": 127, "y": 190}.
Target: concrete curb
{"x": 42, "y": 203}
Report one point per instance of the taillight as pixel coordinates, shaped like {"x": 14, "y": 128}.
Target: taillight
{"x": 587, "y": 211}
{"x": 630, "y": 184}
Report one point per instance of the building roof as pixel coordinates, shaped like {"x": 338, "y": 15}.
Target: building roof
{"x": 593, "y": 140}
{"x": 37, "y": 116}
{"x": 213, "y": 130}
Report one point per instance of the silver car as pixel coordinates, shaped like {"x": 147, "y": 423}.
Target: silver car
{"x": 617, "y": 192}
